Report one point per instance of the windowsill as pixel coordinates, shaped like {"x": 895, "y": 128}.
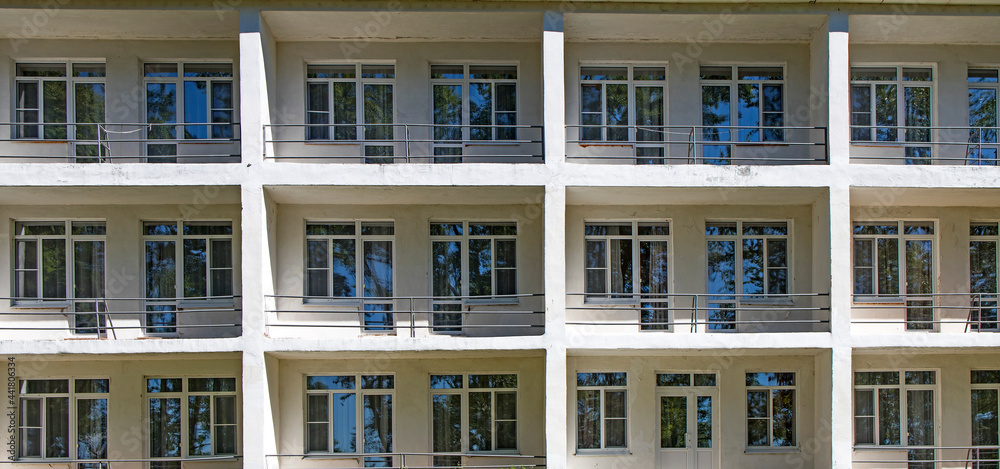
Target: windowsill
{"x": 494, "y": 143}
{"x": 491, "y": 302}
{"x": 602, "y": 452}
{"x": 327, "y": 302}
{"x": 597, "y": 300}
{"x": 877, "y": 300}
{"x": 762, "y": 144}
{"x": 40, "y": 304}
{"x": 772, "y": 450}
{"x": 492, "y": 454}
{"x": 206, "y": 304}
{"x": 340, "y": 142}
{"x": 769, "y": 301}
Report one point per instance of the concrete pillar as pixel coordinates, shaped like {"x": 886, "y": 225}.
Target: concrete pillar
{"x": 839, "y": 91}
{"x": 257, "y": 84}
{"x": 556, "y": 447}
{"x": 553, "y": 88}
{"x": 841, "y": 290}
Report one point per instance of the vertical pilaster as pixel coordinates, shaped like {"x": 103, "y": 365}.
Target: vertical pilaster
{"x": 839, "y": 90}
{"x": 257, "y": 83}
{"x": 556, "y": 448}
{"x": 841, "y": 289}
{"x": 554, "y": 87}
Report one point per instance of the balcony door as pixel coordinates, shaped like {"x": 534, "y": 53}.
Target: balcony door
{"x": 687, "y": 428}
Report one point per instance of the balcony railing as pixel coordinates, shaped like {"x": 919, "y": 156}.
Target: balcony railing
{"x": 121, "y": 142}
{"x": 696, "y": 144}
{"x": 701, "y": 312}
{"x": 399, "y": 460}
{"x": 122, "y": 318}
{"x": 969, "y": 457}
{"x": 969, "y": 146}
{"x": 931, "y": 312}
{"x": 484, "y": 316}
{"x": 405, "y": 143}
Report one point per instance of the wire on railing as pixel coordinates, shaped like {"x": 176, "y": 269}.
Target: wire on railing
{"x": 410, "y": 143}
{"x": 717, "y": 144}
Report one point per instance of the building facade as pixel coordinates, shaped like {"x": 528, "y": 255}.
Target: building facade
{"x": 500, "y": 234}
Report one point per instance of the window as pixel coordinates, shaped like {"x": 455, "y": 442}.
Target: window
{"x": 601, "y": 411}
{"x": 472, "y": 102}
{"x": 62, "y": 262}
{"x": 893, "y": 408}
{"x": 985, "y": 411}
{"x": 336, "y": 406}
{"x": 759, "y": 107}
{"x": 474, "y": 260}
{"x": 204, "y": 251}
{"x": 624, "y": 103}
{"x": 879, "y": 95}
{"x": 337, "y": 97}
{"x": 770, "y": 409}
{"x": 611, "y": 248}
{"x": 488, "y": 403}
{"x": 983, "y": 89}
{"x": 60, "y": 100}
{"x": 883, "y": 269}
{"x": 333, "y": 270}
{"x": 56, "y": 412}
{"x": 198, "y": 97}
{"x": 191, "y": 418}
{"x": 745, "y": 260}
{"x": 983, "y": 275}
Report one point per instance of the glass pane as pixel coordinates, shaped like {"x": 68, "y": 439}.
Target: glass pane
{"x": 715, "y": 112}
{"x": 164, "y": 428}
{"x": 344, "y": 269}
{"x": 378, "y": 423}
{"x": 649, "y": 113}
{"x": 753, "y": 266}
{"x": 345, "y": 111}
{"x": 446, "y": 381}
{"x": 984, "y": 417}
{"x": 88, "y": 269}
{"x": 614, "y": 404}
{"x": 673, "y": 379}
{"x": 200, "y": 425}
{"x": 919, "y": 267}
{"x": 864, "y": 411}
{"x": 155, "y": 385}
{"x": 447, "y": 422}
{"x": 329, "y": 382}
{"x": 721, "y": 267}
{"x": 783, "y": 409}
{"x": 492, "y": 381}
{"x": 616, "y": 111}
{"x": 920, "y": 417}
{"x": 917, "y": 110}
{"x": 88, "y": 108}
{"x": 985, "y": 376}
{"x": 447, "y": 268}
{"x": 673, "y": 421}
{"x": 480, "y": 267}
{"x": 31, "y": 438}
{"x": 885, "y": 113}
{"x": 604, "y": 73}
{"x": 481, "y": 110}
{"x": 448, "y": 112}
{"x": 317, "y": 418}
{"x": 54, "y": 109}
{"x": 195, "y": 109}
{"x": 378, "y": 268}
{"x": 378, "y": 110}
{"x": 620, "y": 258}
{"x": 889, "y": 429}
{"x": 222, "y": 267}
{"x": 480, "y": 421}
{"x": 888, "y": 266}
{"x": 195, "y": 268}
{"x": 53, "y": 268}
{"x": 331, "y": 71}
{"x": 588, "y": 418}
{"x": 344, "y": 423}
{"x": 601, "y": 379}
{"x": 57, "y": 427}
{"x": 749, "y": 111}
{"x": 506, "y": 405}
{"x": 161, "y": 108}
{"x": 705, "y": 421}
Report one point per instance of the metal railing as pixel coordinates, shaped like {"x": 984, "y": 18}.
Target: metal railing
{"x": 973, "y": 457}
{"x": 934, "y": 312}
{"x": 405, "y": 143}
{"x": 970, "y": 146}
{"x": 703, "y": 312}
{"x": 96, "y": 317}
{"x": 111, "y": 463}
{"x": 206, "y": 142}
{"x": 456, "y": 315}
{"x": 404, "y": 464}
{"x": 698, "y": 144}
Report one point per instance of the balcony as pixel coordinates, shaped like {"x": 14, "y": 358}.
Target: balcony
{"x": 121, "y": 318}
{"x": 408, "y": 316}
{"x": 121, "y": 143}
{"x": 932, "y": 312}
{"x": 931, "y": 456}
{"x": 480, "y": 460}
{"x": 690, "y": 313}
{"x": 957, "y": 146}
{"x": 711, "y": 145}
{"x": 404, "y": 143}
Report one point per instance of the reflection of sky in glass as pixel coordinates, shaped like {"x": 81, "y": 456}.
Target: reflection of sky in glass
{"x": 195, "y": 108}
{"x": 378, "y": 424}
{"x": 344, "y": 422}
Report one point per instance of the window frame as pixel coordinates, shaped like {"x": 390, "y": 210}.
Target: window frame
{"x": 183, "y": 396}
{"x": 900, "y": 112}
{"x": 903, "y": 400}
{"x": 603, "y": 390}
{"x": 995, "y": 386}
{"x": 72, "y": 414}
{"x": 466, "y": 83}
{"x": 359, "y": 268}
{"x": 179, "y": 81}
{"x": 738, "y": 238}
{"x": 68, "y": 298}
{"x": 359, "y": 412}
{"x": 466, "y": 426}
{"x": 360, "y": 119}
{"x": 734, "y": 102}
{"x": 632, "y": 298}
{"x": 631, "y": 84}
{"x": 901, "y": 257}
{"x": 464, "y": 239}
{"x": 979, "y": 138}
{"x": 985, "y": 301}
{"x": 70, "y": 81}
{"x": 796, "y": 412}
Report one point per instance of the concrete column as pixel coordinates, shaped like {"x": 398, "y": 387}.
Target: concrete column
{"x": 257, "y": 84}
{"x": 556, "y": 447}
{"x": 841, "y": 289}
{"x": 553, "y": 88}
{"x": 839, "y": 91}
